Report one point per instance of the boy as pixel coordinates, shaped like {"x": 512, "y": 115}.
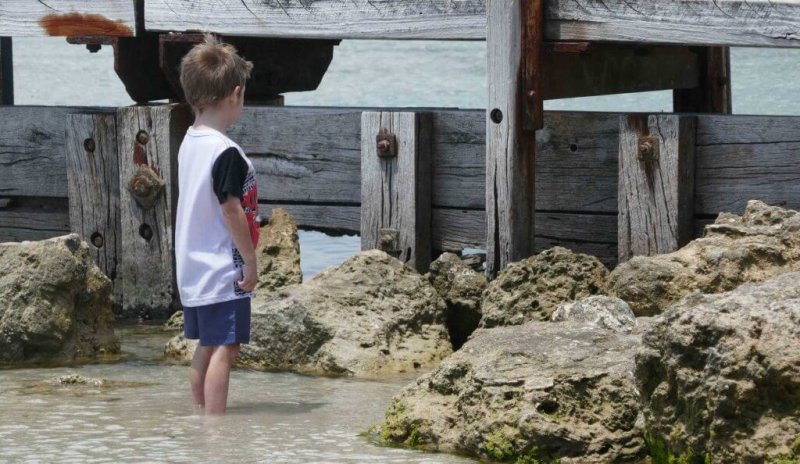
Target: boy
{"x": 216, "y": 227}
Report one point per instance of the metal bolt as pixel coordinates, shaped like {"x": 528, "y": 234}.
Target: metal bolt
{"x": 93, "y": 48}
{"x": 386, "y": 143}
{"x": 142, "y": 137}
{"x": 648, "y": 149}
{"x": 88, "y": 144}
{"x": 97, "y": 240}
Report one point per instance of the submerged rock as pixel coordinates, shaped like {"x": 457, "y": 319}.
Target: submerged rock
{"x": 762, "y": 243}
{"x": 536, "y": 392}
{"x": 533, "y": 288}
{"x": 603, "y": 311}
{"x": 461, "y": 287}
{"x": 372, "y": 316}
{"x": 720, "y": 375}
{"x": 55, "y": 303}
{"x": 278, "y": 253}
{"x": 175, "y": 322}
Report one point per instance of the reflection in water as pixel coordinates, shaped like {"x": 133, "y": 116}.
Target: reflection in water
{"x": 273, "y": 417}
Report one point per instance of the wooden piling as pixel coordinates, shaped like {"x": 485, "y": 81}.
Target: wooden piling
{"x": 93, "y": 186}
{"x": 713, "y": 91}
{"x": 396, "y": 185}
{"x": 656, "y": 184}
{"x": 148, "y": 141}
{"x": 510, "y": 150}
{"x": 6, "y": 72}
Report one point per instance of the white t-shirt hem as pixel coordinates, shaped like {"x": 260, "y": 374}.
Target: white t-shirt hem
{"x": 212, "y": 300}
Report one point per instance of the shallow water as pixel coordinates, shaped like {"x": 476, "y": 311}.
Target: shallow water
{"x": 272, "y": 417}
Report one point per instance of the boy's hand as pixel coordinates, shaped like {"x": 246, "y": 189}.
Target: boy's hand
{"x": 250, "y": 274}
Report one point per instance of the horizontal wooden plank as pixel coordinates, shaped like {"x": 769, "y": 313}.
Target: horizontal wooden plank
{"x": 33, "y": 219}
{"x": 741, "y": 158}
{"x": 774, "y": 23}
{"x": 67, "y": 18}
{"x": 360, "y": 19}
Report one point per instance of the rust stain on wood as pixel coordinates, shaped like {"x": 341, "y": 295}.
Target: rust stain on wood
{"x": 139, "y": 155}
{"x": 71, "y": 24}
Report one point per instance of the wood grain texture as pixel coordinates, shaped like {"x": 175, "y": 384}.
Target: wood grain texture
{"x": 700, "y": 22}
{"x": 656, "y": 196}
{"x": 741, "y": 158}
{"x": 509, "y": 150}
{"x": 147, "y": 268}
{"x": 32, "y": 218}
{"x": 395, "y": 191}
{"x": 6, "y": 71}
{"x": 359, "y": 19}
{"x": 93, "y": 185}
{"x": 67, "y": 17}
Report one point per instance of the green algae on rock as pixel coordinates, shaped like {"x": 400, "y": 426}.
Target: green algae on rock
{"x": 56, "y": 303}
{"x": 536, "y": 392}
{"x": 719, "y": 378}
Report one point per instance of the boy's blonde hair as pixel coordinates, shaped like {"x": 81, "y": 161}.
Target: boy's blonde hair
{"x": 211, "y": 71}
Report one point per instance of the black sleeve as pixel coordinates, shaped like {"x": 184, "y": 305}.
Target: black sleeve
{"x": 228, "y": 174}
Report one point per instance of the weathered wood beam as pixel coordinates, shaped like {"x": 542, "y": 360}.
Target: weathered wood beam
{"x": 32, "y": 218}
{"x": 697, "y": 22}
{"x": 656, "y": 184}
{"x": 323, "y": 19}
{"x": 604, "y": 69}
{"x": 20, "y": 18}
{"x": 712, "y": 94}
{"x": 6, "y": 72}
{"x": 148, "y": 139}
{"x": 510, "y": 150}
{"x": 396, "y": 185}
{"x": 93, "y": 185}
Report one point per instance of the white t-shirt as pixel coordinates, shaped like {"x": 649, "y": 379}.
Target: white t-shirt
{"x": 208, "y": 264}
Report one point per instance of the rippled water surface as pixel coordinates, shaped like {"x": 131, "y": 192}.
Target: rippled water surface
{"x": 272, "y": 417}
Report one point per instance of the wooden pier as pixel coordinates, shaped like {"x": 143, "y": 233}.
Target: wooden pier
{"x": 512, "y": 178}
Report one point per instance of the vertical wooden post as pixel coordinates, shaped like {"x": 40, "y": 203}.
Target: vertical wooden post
{"x": 656, "y": 183}
{"x": 148, "y": 141}
{"x": 6, "y": 72}
{"x": 510, "y": 149}
{"x": 93, "y": 188}
{"x": 396, "y": 185}
{"x": 713, "y": 95}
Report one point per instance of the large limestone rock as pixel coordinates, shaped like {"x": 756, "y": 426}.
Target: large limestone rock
{"x": 604, "y": 311}
{"x": 536, "y": 392}
{"x": 55, "y": 303}
{"x": 461, "y": 287}
{"x": 370, "y": 317}
{"x": 720, "y": 376}
{"x": 762, "y": 243}
{"x": 532, "y": 289}
{"x": 278, "y": 253}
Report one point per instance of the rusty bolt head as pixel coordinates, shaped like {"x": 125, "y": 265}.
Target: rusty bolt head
{"x": 97, "y": 240}
{"x": 648, "y": 148}
{"x": 142, "y": 137}
{"x": 386, "y": 143}
{"x": 89, "y": 145}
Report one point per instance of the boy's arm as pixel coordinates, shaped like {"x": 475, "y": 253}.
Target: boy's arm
{"x": 236, "y": 221}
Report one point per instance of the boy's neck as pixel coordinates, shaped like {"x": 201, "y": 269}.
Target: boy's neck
{"x": 213, "y": 119}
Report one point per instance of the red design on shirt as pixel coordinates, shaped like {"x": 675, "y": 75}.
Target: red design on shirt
{"x": 250, "y": 205}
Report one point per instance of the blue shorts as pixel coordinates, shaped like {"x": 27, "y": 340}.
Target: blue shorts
{"x": 216, "y": 324}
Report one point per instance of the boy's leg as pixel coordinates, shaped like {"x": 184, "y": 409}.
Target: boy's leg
{"x": 218, "y": 376}
{"x": 197, "y": 374}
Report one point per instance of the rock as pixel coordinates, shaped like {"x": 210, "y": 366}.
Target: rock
{"x": 532, "y": 289}
{"x": 762, "y": 243}
{"x": 278, "y": 253}
{"x": 604, "y": 311}
{"x": 720, "y": 376}
{"x": 180, "y": 349}
{"x": 461, "y": 287}
{"x": 55, "y": 303}
{"x": 370, "y": 317}
{"x": 536, "y": 392}
{"x": 175, "y": 322}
